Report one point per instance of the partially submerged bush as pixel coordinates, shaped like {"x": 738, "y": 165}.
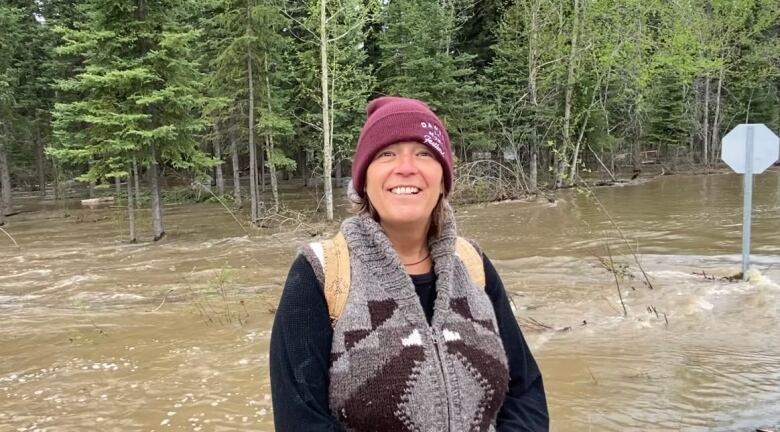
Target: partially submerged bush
{"x": 488, "y": 180}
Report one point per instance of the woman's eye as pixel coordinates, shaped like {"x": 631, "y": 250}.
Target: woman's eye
{"x": 424, "y": 154}
{"x": 385, "y": 154}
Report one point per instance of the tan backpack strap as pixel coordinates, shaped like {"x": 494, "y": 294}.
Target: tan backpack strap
{"x": 337, "y": 275}
{"x": 472, "y": 259}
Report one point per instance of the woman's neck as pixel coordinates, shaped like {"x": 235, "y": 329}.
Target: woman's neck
{"x": 411, "y": 245}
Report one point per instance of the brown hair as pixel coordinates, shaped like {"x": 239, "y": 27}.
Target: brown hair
{"x": 438, "y": 215}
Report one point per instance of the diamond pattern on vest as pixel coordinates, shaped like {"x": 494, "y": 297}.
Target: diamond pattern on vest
{"x": 489, "y": 372}
{"x": 415, "y": 407}
{"x": 461, "y": 306}
{"x": 352, "y": 337}
{"x": 391, "y": 372}
{"x": 381, "y": 311}
{"x": 375, "y": 405}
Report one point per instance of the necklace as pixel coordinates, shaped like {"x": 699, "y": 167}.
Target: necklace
{"x": 418, "y": 262}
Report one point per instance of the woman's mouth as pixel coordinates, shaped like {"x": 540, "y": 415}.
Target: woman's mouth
{"x": 405, "y": 190}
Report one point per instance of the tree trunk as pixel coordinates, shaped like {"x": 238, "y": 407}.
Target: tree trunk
{"x": 304, "y": 174}
{"x": 236, "y": 169}
{"x": 218, "y": 156}
{"x": 636, "y": 152}
{"x": 706, "y": 127}
{"x": 270, "y": 144}
{"x": 136, "y": 182}
{"x": 533, "y": 186}
{"x": 696, "y": 116}
{"x": 117, "y": 186}
{"x": 337, "y": 167}
{"x": 92, "y": 185}
{"x": 3, "y": 170}
{"x": 154, "y": 185}
{"x": 562, "y": 176}
{"x": 56, "y": 172}
{"x": 5, "y": 181}
{"x": 576, "y": 153}
{"x": 716, "y": 121}
{"x": 532, "y": 74}
{"x": 636, "y": 145}
{"x": 130, "y": 206}
{"x": 253, "y": 193}
{"x": 41, "y": 163}
{"x": 327, "y": 151}
{"x": 261, "y": 174}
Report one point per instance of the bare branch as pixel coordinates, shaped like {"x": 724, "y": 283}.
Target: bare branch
{"x": 303, "y": 26}
{"x": 319, "y": 128}
{"x": 346, "y": 32}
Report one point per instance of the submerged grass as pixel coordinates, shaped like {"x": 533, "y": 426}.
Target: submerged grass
{"x": 218, "y": 304}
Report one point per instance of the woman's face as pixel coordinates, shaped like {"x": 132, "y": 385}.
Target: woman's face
{"x": 404, "y": 182}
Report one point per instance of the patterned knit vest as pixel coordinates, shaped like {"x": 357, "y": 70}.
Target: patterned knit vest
{"x": 390, "y": 370}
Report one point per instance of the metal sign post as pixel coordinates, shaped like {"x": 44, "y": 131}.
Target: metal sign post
{"x": 747, "y": 201}
{"x": 749, "y": 149}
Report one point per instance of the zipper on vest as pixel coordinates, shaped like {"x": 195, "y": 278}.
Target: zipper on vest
{"x": 435, "y": 338}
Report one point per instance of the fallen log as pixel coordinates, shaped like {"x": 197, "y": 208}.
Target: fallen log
{"x": 97, "y": 202}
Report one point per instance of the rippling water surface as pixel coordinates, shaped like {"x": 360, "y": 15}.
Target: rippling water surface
{"x": 98, "y": 334}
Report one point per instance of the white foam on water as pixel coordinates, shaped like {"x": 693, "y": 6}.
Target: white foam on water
{"x": 28, "y": 273}
{"x": 71, "y": 281}
{"x": 758, "y": 279}
{"x": 704, "y": 304}
{"x": 108, "y": 298}
{"x": 10, "y": 299}
{"x": 242, "y": 240}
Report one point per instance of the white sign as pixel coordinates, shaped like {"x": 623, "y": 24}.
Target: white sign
{"x": 766, "y": 148}
{"x": 749, "y": 149}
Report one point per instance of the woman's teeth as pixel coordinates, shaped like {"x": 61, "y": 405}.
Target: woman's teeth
{"x": 405, "y": 190}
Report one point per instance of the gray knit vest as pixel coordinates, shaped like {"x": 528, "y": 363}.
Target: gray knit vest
{"x": 390, "y": 370}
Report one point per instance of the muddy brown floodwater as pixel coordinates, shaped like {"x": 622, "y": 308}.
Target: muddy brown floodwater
{"x": 98, "y": 334}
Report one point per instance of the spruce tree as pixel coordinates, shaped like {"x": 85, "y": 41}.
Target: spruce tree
{"x": 11, "y": 42}
{"x": 251, "y": 69}
{"x": 142, "y": 92}
{"x": 22, "y": 95}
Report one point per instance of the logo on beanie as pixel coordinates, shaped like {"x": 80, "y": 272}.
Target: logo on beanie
{"x": 433, "y": 136}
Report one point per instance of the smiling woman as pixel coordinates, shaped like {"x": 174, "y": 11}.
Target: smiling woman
{"x": 423, "y": 337}
{"x": 404, "y": 185}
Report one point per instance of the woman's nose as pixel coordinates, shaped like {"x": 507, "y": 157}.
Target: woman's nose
{"x": 406, "y": 164}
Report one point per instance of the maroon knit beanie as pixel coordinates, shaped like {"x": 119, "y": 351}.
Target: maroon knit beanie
{"x": 392, "y": 120}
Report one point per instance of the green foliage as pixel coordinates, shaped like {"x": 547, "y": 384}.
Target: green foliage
{"x": 350, "y": 79}
{"x": 525, "y": 78}
{"x": 100, "y": 81}
{"x": 240, "y": 33}
{"x": 24, "y": 97}
{"x": 141, "y": 90}
{"x": 418, "y": 59}
{"x": 280, "y": 160}
{"x": 10, "y": 45}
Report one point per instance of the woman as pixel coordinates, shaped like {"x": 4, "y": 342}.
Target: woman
{"x": 418, "y": 346}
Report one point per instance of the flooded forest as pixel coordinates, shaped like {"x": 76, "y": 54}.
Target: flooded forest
{"x": 162, "y": 161}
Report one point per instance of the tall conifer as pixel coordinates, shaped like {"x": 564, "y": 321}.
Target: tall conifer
{"x": 143, "y": 93}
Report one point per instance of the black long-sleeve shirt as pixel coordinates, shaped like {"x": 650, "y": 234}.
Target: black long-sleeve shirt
{"x": 301, "y": 342}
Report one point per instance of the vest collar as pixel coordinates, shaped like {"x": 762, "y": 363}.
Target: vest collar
{"x": 368, "y": 242}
